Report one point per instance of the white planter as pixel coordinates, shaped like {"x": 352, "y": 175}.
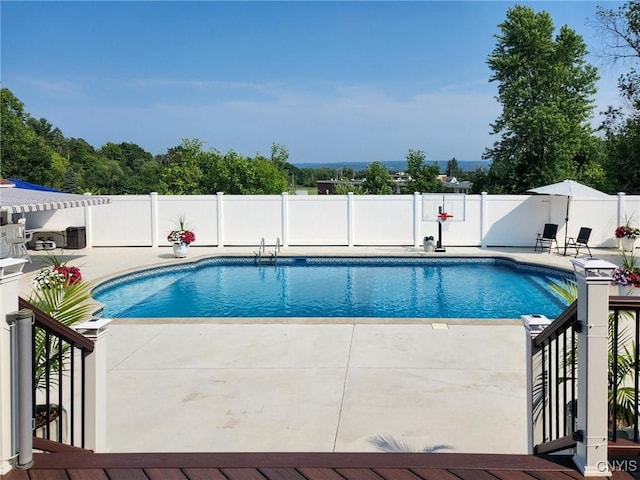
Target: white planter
{"x": 180, "y": 250}
{"x": 628, "y": 291}
{"x": 627, "y": 244}
{"x": 429, "y": 246}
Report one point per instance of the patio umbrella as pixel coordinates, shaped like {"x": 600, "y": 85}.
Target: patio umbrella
{"x": 569, "y": 189}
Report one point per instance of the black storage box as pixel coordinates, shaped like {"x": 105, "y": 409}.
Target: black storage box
{"x": 76, "y": 237}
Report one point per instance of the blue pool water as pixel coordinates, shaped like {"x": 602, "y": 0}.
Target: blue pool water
{"x": 336, "y": 287}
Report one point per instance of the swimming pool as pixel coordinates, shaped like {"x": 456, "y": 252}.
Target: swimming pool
{"x": 399, "y": 287}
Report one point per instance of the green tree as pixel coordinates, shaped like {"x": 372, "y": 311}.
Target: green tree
{"x": 23, "y": 154}
{"x": 425, "y": 178}
{"x": 453, "y": 170}
{"x": 269, "y": 179}
{"x": 621, "y": 28}
{"x": 377, "y": 180}
{"x": 279, "y": 155}
{"x": 70, "y": 183}
{"x": 184, "y": 176}
{"x": 130, "y": 159}
{"x": 546, "y": 89}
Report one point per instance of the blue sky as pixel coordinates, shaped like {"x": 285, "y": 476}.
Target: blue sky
{"x": 332, "y": 81}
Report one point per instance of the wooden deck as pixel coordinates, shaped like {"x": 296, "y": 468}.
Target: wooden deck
{"x": 298, "y": 466}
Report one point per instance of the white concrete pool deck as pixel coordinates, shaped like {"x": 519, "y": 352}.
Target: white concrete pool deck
{"x": 312, "y": 386}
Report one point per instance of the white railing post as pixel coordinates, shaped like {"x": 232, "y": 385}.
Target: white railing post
{"x": 220, "y": 219}
{"x": 95, "y": 384}
{"x": 285, "y": 219}
{"x": 593, "y": 277}
{"x": 10, "y": 273}
{"x": 153, "y": 200}
{"x": 22, "y": 386}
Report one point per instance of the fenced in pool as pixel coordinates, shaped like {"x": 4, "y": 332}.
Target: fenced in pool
{"x": 406, "y": 287}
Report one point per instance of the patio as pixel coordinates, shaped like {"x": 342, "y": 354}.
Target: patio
{"x": 319, "y": 385}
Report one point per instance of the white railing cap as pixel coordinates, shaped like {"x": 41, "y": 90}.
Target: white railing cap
{"x": 93, "y": 326}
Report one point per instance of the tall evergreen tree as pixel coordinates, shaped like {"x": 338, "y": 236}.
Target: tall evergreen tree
{"x": 546, "y": 89}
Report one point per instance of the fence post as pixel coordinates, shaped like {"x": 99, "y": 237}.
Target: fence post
{"x": 153, "y": 198}
{"x": 285, "y": 219}
{"x": 417, "y": 219}
{"x": 593, "y": 277}
{"x": 96, "y": 384}
{"x": 10, "y": 273}
{"x": 350, "y": 219}
{"x": 483, "y": 220}
{"x": 22, "y": 386}
{"x": 220, "y": 219}
{"x": 88, "y": 227}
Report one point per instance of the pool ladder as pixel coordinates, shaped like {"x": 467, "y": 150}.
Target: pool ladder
{"x": 261, "y": 255}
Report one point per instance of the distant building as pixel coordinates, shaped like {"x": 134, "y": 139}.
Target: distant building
{"x": 328, "y": 187}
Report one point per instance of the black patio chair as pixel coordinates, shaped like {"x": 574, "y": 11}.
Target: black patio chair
{"x": 581, "y": 241}
{"x": 547, "y": 237}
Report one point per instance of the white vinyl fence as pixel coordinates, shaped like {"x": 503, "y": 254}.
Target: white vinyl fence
{"x": 342, "y": 220}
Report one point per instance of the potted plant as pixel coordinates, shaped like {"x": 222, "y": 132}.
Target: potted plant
{"x": 627, "y": 276}
{"x": 181, "y": 238}
{"x": 59, "y": 291}
{"x": 627, "y": 235}
{"x": 429, "y": 243}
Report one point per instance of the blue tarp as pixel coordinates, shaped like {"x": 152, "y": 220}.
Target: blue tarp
{"x": 31, "y": 186}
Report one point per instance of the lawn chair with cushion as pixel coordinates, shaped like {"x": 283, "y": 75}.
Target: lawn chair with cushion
{"x": 581, "y": 241}
{"x": 547, "y": 237}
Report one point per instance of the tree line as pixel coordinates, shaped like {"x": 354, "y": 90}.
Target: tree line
{"x": 544, "y": 134}
{"x": 35, "y": 151}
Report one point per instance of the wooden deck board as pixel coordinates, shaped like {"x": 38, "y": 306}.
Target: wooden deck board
{"x": 435, "y": 474}
{"x": 298, "y": 466}
{"x": 510, "y": 475}
{"x": 359, "y": 474}
{"x": 396, "y": 474}
{"x": 244, "y": 473}
{"x": 320, "y": 474}
{"x": 165, "y": 474}
{"x": 203, "y": 474}
{"x": 282, "y": 474}
{"x": 126, "y": 474}
{"x": 87, "y": 474}
{"x": 472, "y": 474}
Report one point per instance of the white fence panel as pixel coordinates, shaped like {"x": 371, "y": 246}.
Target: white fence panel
{"x": 248, "y": 218}
{"x": 514, "y": 220}
{"x": 490, "y": 220}
{"x": 383, "y": 219}
{"x": 599, "y": 215}
{"x": 56, "y": 220}
{"x": 126, "y": 222}
{"x": 318, "y": 220}
{"x": 631, "y": 210}
{"x": 199, "y": 211}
